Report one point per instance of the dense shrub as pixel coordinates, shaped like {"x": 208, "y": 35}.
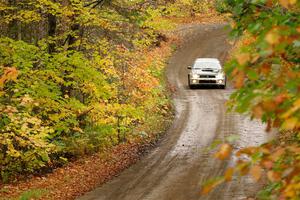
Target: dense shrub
{"x": 91, "y": 81}
{"x": 266, "y": 70}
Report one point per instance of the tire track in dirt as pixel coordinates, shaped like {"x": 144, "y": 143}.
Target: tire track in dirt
{"x": 177, "y": 168}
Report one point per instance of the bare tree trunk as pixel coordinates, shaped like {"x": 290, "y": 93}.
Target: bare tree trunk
{"x": 52, "y": 24}
{"x": 72, "y": 38}
{"x": 19, "y": 30}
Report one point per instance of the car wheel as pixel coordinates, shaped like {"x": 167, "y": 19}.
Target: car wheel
{"x": 189, "y": 83}
{"x": 224, "y": 86}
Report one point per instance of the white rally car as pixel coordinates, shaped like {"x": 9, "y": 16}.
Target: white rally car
{"x": 206, "y": 71}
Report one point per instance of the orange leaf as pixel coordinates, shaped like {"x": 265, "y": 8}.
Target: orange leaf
{"x": 265, "y": 150}
{"x": 284, "y": 3}
{"x": 228, "y": 174}
{"x": 243, "y": 58}
{"x": 255, "y": 172}
{"x": 2, "y": 80}
{"x": 290, "y": 123}
{"x": 297, "y": 103}
{"x": 247, "y": 151}
{"x": 239, "y": 80}
{"x": 273, "y": 176}
{"x": 272, "y": 37}
{"x": 210, "y": 186}
{"x": 280, "y": 98}
{"x": 243, "y": 168}
{"x": 270, "y": 3}
{"x": 257, "y": 111}
{"x": 255, "y": 58}
{"x": 265, "y": 69}
{"x": 287, "y": 3}
{"x": 294, "y": 149}
{"x": 11, "y": 73}
{"x": 269, "y": 105}
{"x": 277, "y": 154}
{"x": 296, "y": 106}
{"x": 224, "y": 152}
{"x": 267, "y": 164}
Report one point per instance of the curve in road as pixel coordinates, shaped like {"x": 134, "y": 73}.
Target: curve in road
{"x": 177, "y": 168}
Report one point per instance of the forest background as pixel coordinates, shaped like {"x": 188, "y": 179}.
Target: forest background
{"x": 79, "y": 77}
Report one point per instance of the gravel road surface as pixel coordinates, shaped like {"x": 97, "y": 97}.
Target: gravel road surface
{"x": 176, "y": 169}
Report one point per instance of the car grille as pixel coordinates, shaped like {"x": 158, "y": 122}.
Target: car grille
{"x": 207, "y": 81}
{"x": 207, "y": 76}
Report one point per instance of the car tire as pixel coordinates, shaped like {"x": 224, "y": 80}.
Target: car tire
{"x": 224, "y": 86}
{"x": 189, "y": 83}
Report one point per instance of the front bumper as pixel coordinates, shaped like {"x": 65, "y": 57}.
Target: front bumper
{"x": 207, "y": 81}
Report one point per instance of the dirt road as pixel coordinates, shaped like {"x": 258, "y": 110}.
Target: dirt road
{"x": 177, "y": 168}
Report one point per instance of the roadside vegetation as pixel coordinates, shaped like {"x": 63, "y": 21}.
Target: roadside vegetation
{"x": 265, "y": 69}
{"x": 82, "y": 77}
{"x": 75, "y": 79}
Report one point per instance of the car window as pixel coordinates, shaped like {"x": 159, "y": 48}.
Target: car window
{"x": 199, "y": 65}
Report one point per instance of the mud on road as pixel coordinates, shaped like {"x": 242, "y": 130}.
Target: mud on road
{"x": 178, "y": 167}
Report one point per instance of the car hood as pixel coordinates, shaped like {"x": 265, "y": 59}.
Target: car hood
{"x": 197, "y": 71}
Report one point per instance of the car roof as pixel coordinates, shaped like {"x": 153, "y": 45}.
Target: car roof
{"x": 213, "y": 60}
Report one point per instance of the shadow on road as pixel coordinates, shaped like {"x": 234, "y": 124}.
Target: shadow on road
{"x": 204, "y": 87}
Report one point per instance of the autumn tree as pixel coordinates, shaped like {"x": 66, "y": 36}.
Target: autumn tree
{"x": 72, "y": 78}
{"x": 266, "y": 73}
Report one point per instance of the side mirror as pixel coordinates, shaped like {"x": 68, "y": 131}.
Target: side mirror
{"x": 189, "y": 67}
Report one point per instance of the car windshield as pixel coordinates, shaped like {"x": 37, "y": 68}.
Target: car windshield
{"x": 211, "y": 65}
